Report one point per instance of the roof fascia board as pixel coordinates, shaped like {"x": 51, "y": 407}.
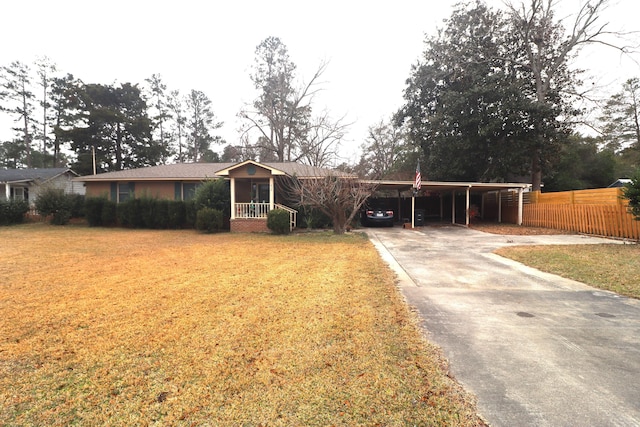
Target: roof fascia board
{"x": 274, "y": 171}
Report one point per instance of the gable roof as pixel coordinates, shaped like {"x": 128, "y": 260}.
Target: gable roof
{"x": 620, "y": 182}
{"x": 27, "y": 175}
{"x": 202, "y": 171}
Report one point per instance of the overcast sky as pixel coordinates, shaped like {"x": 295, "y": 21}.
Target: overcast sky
{"x": 209, "y": 46}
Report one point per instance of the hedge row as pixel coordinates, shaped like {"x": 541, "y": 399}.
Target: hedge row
{"x": 12, "y": 211}
{"x": 140, "y": 213}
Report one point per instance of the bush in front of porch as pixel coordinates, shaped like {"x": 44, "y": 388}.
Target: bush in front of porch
{"x": 278, "y": 221}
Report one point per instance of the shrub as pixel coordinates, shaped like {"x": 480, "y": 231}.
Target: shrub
{"x": 12, "y": 211}
{"x": 77, "y": 205}
{"x": 176, "y": 217}
{"x": 209, "y": 220}
{"x": 314, "y": 218}
{"x": 93, "y": 210}
{"x": 214, "y": 194}
{"x": 54, "y": 202}
{"x": 278, "y": 221}
{"x": 161, "y": 214}
{"x": 631, "y": 192}
{"x": 190, "y": 213}
{"x": 108, "y": 215}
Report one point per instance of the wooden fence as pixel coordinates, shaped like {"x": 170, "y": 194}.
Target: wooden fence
{"x": 602, "y": 212}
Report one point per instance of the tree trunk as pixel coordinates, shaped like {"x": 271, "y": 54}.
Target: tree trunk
{"x": 27, "y": 137}
{"x": 536, "y": 172}
{"x": 118, "y": 147}
{"x": 339, "y": 221}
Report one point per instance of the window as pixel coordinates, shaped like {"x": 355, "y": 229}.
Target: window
{"x": 189, "y": 190}
{"x": 18, "y": 193}
{"x": 263, "y": 193}
{"x": 125, "y": 192}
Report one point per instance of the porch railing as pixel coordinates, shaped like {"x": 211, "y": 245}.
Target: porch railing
{"x": 260, "y": 210}
{"x": 252, "y": 210}
{"x": 292, "y": 215}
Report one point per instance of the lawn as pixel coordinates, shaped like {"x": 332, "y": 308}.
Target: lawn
{"x": 129, "y": 327}
{"x": 612, "y": 267}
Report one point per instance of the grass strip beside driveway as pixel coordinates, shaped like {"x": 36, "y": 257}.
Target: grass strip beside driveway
{"x": 131, "y": 327}
{"x": 612, "y": 267}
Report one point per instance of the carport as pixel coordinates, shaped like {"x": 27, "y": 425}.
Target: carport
{"x": 455, "y": 188}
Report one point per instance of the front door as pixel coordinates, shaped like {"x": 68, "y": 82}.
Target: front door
{"x": 260, "y": 192}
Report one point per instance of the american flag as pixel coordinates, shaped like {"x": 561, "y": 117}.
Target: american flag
{"x": 418, "y": 182}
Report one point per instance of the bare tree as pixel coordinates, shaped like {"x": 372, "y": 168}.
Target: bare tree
{"x": 320, "y": 147}
{"x": 281, "y": 115}
{"x": 339, "y": 196}
{"x": 547, "y": 48}
{"x": 381, "y": 151}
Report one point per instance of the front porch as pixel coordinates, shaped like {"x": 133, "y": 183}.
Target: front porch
{"x": 253, "y": 196}
{"x": 252, "y": 217}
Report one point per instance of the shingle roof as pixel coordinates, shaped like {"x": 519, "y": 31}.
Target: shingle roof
{"x": 15, "y": 175}
{"x": 194, "y": 171}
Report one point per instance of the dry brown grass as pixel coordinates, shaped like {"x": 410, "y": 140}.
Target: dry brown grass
{"x": 611, "y": 267}
{"x": 516, "y": 230}
{"x": 123, "y": 327}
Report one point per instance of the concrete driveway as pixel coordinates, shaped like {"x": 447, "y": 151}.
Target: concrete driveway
{"x": 536, "y": 349}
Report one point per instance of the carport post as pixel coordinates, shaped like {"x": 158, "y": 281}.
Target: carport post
{"x": 499, "y": 205}
{"x": 520, "y": 202}
{"x": 413, "y": 209}
{"x": 466, "y": 220}
{"x": 453, "y": 206}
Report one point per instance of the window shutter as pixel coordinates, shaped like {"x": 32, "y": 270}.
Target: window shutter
{"x": 178, "y": 191}
{"x": 114, "y": 191}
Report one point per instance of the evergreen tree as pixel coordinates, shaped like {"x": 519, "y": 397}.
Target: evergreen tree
{"x": 18, "y": 99}
{"x": 114, "y": 124}
{"x": 200, "y": 122}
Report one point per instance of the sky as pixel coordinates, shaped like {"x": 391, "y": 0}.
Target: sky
{"x": 209, "y": 46}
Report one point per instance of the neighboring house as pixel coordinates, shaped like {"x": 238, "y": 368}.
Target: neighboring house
{"x": 253, "y": 185}
{"x": 620, "y": 182}
{"x": 24, "y": 184}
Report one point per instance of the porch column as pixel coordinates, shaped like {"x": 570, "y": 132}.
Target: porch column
{"x": 233, "y": 198}
{"x": 272, "y": 193}
{"x": 520, "y": 203}
{"x": 453, "y": 206}
{"x": 499, "y": 206}
{"x": 466, "y": 220}
{"x": 441, "y": 206}
{"x": 7, "y": 191}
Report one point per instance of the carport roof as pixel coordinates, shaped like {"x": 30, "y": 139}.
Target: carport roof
{"x": 481, "y": 187}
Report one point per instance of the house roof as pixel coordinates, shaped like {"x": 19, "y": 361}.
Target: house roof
{"x": 200, "y": 171}
{"x": 26, "y": 175}
{"x": 481, "y": 187}
{"x": 620, "y": 182}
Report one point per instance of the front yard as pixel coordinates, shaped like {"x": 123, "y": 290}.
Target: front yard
{"x": 130, "y": 327}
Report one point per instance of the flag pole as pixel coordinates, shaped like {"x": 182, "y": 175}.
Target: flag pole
{"x": 417, "y": 183}
{"x": 413, "y": 209}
